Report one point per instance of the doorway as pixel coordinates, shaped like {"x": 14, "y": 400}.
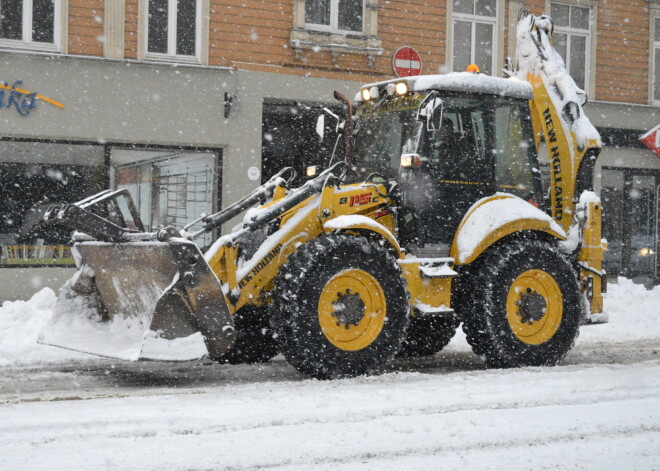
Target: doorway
{"x": 289, "y": 137}
{"x": 631, "y": 199}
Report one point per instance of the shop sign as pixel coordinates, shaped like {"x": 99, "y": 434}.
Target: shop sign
{"x": 21, "y": 100}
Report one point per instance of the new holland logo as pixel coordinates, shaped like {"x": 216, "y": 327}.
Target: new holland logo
{"x": 23, "y": 101}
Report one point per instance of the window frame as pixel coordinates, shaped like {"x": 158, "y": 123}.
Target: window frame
{"x": 590, "y": 70}
{"x": 333, "y": 27}
{"x": 59, "y": 30}
{"x": 171, "y": 56}
{"x": 366, "y": 43}
{"x": 498, "y": 34}
{"x": 655, "y": 15}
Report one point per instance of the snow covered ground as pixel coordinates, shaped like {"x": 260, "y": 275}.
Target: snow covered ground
{"x": 600, "y": 409}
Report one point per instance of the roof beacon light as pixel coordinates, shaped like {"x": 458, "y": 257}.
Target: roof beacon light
{"x": 374, "y": 93}
{"x": 401, "y": 88}
{"x": 390, "y": 89}
{"x": 366, "y": 96}
{"x": 474, "y": 68}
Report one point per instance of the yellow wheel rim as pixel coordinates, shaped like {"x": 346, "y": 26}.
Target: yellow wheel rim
{"x": 534, "y": 307}
{"x": 352, "y": 310}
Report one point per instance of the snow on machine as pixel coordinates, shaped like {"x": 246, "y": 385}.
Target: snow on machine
{"x": 437, "y": 215}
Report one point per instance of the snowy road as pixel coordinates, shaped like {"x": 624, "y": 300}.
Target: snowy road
{"x": 598, "y": 410}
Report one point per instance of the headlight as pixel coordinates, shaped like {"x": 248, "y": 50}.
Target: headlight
{"x": 311, "y": 171}
{"x": 645, "y": 252}
{"x": 366, "y": 96}
{"x": 401, "y": 88}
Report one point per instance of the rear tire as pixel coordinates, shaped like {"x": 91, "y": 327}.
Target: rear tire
{"x": 428, "y": 335}
{"x": 340, "y": 307}
{"x": 524, "y": 308}
{"x": 254, "y": 338}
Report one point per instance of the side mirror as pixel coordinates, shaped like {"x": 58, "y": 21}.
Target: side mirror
{"x": 320, "y": 122}
{"x": 431, "y": 110}
{"x": 320, "y": 126}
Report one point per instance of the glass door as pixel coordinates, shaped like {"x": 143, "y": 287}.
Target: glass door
{"x": 642, "y": 227}
{"x": 631, "y": 199}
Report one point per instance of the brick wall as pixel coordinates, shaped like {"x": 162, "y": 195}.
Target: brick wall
{"x": 86, "y": 27}
{"x": 622, "y": 54}
{"x": 622, "y": 49}
{"x": 255, "y": 35}
{"x": 131, "y": 29}
{"x": 418, "y": 23}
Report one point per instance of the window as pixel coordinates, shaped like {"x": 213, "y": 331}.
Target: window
{"x": 30, "y": 24}
{"x": 170, "y": 188}
{"x": 572, "y": 39}
{"x": 34, "y": 175}
{"x": 459, "y": 149}
{"x": 513, "y": 150}
{"x": 337, "y": 26}
{"x": 656, "y": 60}
{"x": 474, "y": 41}
{"x": 174, "y": 30}
{"x": 335, "y": 15}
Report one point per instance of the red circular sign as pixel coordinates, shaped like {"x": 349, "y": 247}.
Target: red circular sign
{"x": 407, "y": 62}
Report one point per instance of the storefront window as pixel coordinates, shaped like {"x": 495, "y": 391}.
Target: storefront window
{"x": 29, "y": 23}
{"x": 170, "y": 188}
{"x": 173, "y": 28}
{"x": 35, "y": 174}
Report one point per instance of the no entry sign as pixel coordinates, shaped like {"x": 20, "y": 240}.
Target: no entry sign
{"x": 406, "y": 62}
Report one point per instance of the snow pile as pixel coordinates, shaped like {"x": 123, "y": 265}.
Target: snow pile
{"x": 633, "y": 313}
{"x": 77, "y": 325}
{"x": 537, "y": 56}
{"x": 20, "y": 324}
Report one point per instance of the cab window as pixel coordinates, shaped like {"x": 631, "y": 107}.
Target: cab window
{"x": 513, "y": 150}
{"x": 458, "y": 153}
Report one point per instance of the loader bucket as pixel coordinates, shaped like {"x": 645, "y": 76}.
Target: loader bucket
{"x": 141, "y": 300}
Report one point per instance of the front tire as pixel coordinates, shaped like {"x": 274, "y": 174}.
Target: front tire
{"x": 525, "y": 306}
{"x": 340, "y": 307}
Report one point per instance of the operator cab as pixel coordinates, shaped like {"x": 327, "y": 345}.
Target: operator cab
{"x": 448, "y": 141}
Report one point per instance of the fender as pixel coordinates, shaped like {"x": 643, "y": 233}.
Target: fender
{"x": 494, "y": 217}
{"x": 362, "y": 223}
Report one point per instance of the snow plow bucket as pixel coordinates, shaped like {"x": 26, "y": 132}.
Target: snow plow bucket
{"x": 142, "y": 300}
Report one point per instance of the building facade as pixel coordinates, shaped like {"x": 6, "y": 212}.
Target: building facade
{"x": 192, "y": 103}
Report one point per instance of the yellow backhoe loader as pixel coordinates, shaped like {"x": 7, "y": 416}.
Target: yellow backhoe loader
{"x": 437, "y": 215}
